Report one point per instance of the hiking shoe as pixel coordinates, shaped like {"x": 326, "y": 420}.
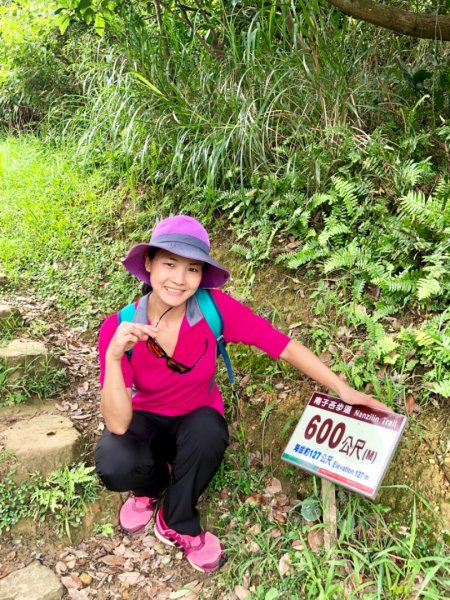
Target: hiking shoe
{"x": 136, "y": 512}
{"x": 203, "y": 551}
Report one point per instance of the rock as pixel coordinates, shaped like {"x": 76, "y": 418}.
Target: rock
{"x": 43, "y": 443}
{"x": 9, "y": 313}
{"x": 34, "y": 582}
{"x": 24, "y": 354}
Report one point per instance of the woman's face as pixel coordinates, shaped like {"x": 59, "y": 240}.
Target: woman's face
{"x": 174, "y": 278}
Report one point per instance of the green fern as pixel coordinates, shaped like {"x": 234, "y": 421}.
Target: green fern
{"x": 428, "y": 287}
{"x": 442, "y": 388}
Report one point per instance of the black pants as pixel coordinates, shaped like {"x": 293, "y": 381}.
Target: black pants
{"x": 193, "y": 444}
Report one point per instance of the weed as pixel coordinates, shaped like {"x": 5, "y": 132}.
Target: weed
{"x": 66, "y": 493}
{"x": 14, "y": 500}
{"x": 20, "y": 384}
{"x": 104, "y": 529}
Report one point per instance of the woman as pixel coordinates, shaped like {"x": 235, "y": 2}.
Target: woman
{"x": 165, "y": 431}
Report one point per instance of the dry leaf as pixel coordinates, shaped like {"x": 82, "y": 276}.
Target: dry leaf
{"x": 315, "y": 539}
{"x": 149, "y": 541}
{"x": 279, "y": 518}
{"x": 120, "y": 550}
{"x": 284, "y": 565}
{"x": 241, "y": 592}
{"x": 61, "y": 567}
{"x": 132, "y": 577}
{"x": 72, "y": 582}
{"x": 255, "y": 529}
{"x": 79, "y": 594}
{"x": 86, "y": 578}
{"x": 112, "y": 561}
{"x": 255, "y": 499}
{"x": 274, "y": 486}
{"x": 253, "y": 546}
{"x": 410, "y": 404}
{"x": 298, "y": 545}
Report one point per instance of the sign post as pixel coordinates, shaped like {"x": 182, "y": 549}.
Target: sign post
{"x": 350, "y": 445}
{"x": 329, "y": 514}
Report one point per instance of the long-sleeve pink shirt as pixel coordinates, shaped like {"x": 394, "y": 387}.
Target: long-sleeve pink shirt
{"x": 158, "y": 389}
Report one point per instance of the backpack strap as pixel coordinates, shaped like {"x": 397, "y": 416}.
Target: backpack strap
{"x": 127, "y": 314}
{"x": 214, "y": 319}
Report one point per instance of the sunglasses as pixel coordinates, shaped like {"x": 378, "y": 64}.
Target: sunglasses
{"x": 172, "y": 364}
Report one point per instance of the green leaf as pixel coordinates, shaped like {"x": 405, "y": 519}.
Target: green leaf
{"x": 311, "y": 510}
{"x": 99, "y": 24}
{"x": 63, "y": 22}
{"x": 146, "y": 82}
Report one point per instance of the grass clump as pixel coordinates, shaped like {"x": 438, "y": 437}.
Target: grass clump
{"x": 18, "y": 385}
{"x": 275, "y": 548}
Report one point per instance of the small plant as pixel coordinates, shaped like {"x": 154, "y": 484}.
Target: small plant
{"x": 65, "y": 494}
{"x": 19, "y": 385}
{"x": 15, "y": 500}
{"x": 104, "y": 529}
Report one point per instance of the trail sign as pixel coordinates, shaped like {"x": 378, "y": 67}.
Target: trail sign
{"x": 350, "y": 445}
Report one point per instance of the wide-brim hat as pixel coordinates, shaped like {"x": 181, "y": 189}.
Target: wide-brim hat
{"x": 184, "y": 236}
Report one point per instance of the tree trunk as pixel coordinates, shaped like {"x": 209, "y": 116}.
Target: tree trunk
{"x": 398, "y": 20}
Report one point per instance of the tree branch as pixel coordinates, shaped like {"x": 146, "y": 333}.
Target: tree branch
{"x": 398, "y": 20}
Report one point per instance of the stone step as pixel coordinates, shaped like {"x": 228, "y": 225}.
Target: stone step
{"x": 34, "y": 582}
{"x": 26, "y": 355}
{"x": 41, "y": 443}
{"x": 8, "y": 312}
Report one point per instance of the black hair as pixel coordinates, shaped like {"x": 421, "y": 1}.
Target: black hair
{"x": 147, "y": 288}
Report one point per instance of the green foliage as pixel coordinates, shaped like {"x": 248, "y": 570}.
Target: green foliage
{"x": 65, "y": 494}
{"x": 92, "y": 12}
{"x": 367, "y": 236}
{"x": 14, "y": 501}
{"x": 18, "y": 385}
{"x": 53, "y": 222}
{"x": 259, "y": 548}
{"x": 105, "y": 529}
{"x": 33, "y": 66}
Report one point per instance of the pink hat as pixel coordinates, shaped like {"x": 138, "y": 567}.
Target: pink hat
{"x": 183, "y": 236}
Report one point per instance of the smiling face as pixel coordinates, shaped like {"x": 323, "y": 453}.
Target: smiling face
{"x": 174, "y": 278}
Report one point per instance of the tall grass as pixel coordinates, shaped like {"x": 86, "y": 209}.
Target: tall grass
{"x": 187, "y": 117}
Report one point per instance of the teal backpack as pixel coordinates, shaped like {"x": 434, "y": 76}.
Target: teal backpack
{"x": 212, "y": 315}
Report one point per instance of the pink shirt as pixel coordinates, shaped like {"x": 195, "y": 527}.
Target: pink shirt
{"x": 158, "y": 389}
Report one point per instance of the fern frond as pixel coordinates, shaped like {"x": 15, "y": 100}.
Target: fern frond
{"x": 332, "y": 229}
{"x": 306, "y": 255}
{"x": 428, "y": 287}
{"x": 426, "y": 211}
{"x": 347, "y": 190}
{"x": 358, "y": 288}
{"x": 384, "y": 346}
{"x": 319, "y": 199}
{"x": 342, "y": 258}
{"x": 442, "y": 388}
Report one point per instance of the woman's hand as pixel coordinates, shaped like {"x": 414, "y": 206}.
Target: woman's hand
{"x": 125, "y": 337}
{"x": 351, "y": 396}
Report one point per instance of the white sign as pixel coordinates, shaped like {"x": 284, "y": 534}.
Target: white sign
{"x": 350, "y": 445}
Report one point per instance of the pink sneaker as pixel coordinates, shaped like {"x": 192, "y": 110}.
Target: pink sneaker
{"x": 203, "y": 551}
{"x": 136, "y": 512}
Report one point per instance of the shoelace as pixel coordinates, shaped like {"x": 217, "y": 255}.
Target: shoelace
{"x": 184, "y": 543}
